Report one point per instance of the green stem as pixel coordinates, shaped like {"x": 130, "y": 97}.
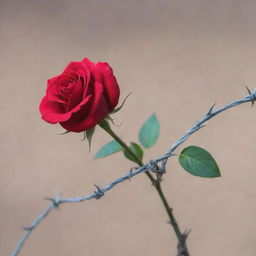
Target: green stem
{"x": 182, "y": 247}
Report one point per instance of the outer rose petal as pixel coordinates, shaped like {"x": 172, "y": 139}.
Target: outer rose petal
{"x": 109, "y": 82}
{"x": 95, "y": 72}
{"x": 52, "y": 112}
{"x": 103, "y": 73}
{"x": 75, "y": 66}
{"x": 98, "y": 111}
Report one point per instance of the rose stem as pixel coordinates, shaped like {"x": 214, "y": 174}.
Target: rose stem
{"x": 182, "y": 247}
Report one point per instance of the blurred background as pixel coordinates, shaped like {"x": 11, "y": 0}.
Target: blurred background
{"x": 177, "y": 57}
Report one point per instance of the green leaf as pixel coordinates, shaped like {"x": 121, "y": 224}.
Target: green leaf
{"x": 199, "y": 162}
{"x": 119, "y": 108}
{"x": 108, "y": 149}
{"x": 149, "y": 132}
{"x": 137, "y": 150}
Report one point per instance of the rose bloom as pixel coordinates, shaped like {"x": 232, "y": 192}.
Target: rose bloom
{"x": 81, "y": 97}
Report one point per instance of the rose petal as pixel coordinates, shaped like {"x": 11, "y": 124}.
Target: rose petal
{"x": 77, "y": 95}
{"x": 109, "y": 82}
{"x": 51, "y": 80}
{"x": 52, "y": 112}
{"x": 95, "y": 75}
{"x": 88, "y": 88}
{"x": 74, "y": 65}
{"x": 52, "y": 91}
{"x": 98, "y": 111}
{"x": 103, "y": 73}
{"x": 86, "y": 76}
{"x": 82, "y": 70}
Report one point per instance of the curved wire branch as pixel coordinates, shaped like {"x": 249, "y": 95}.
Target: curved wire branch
{"x": 150, "y": 166}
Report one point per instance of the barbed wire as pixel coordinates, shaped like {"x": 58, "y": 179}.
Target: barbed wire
{"x": 152, "y": 166}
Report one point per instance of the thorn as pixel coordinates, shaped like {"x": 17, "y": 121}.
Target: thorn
{"x": 99, "y": 193}
{"x": 251, "y": 95}
{"x": 248, "y": 89}
{"x": 187, "y": 232}
{"x": 210, "y": 109}
{"x": 170, "y": 155}
{"x": 49, "y": 198}
{"x": 159, "y": 177}
{"x": 28, "y": 228}
{"x": 53, "y": 200}
{"x": 199, "y": 126}
{"x": 130, "y": 173}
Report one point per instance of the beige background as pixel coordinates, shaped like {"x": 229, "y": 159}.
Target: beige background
{"x": 177, "y": 57}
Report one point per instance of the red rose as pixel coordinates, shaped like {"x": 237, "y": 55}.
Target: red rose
{"x": 82, "y": 96}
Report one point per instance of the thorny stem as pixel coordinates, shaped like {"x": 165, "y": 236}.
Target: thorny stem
{"x": 182, "y": 247}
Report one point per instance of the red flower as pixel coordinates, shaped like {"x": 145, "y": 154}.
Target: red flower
{"x": 82, "y": 96}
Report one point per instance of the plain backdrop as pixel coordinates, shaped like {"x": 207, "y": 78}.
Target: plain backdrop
{"x": 177, "y": 57}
